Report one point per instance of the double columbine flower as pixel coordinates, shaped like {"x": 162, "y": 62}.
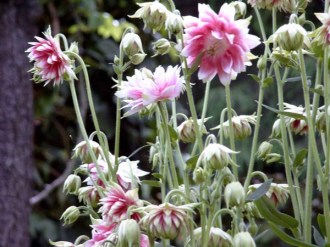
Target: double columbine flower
{"x": 50, "y": 63}
{"x": 278, "y": 193}
{"x": 223, "y": 42}
{"x": 145, "y": 88}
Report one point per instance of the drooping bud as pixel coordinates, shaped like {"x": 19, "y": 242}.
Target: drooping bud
{"x": 320, "y": 122}
{"x": 81, "y": 151}
{"x": 131, "y": 44}
{"x": 174, "y": 23}
{"x": 186, "y": 130}
{"x": 290, "y": 37}
{"x": 272, "y": 158}
{"x": 234, "y": 194}
{"x": 161, "y": 46}
{"x": 264, "y": 149}
{"x": 70, "y": 215}
{"x": 72, "y": 184}
{"x": 153, "y": 14}
{"x": 89, "y": 195}
{"x": 129, "y": 234}
{"x": 240, "y": 8}
{"x": 276, "y": 129}
{"x": 217, "y": 237}
{"x": 278, "y": 193}
{"x": 199, "y": 175}
{"x": 216, "y": 156}
{"x": 243, "y": 239}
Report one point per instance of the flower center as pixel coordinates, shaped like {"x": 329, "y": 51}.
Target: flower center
{"x": 215, "y": 46}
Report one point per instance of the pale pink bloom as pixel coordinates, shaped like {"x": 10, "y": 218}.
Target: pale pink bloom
{"x": 116, "y": 203}
{"x": 101, "y": 232}
{"x": 166, "y": 220}
{"x": 323, "y": 32}
{"x": 144, "y": 241}
{"x": 223, "y": 41}
{"x": 145, "y": 88}
{"x": 50, "y": 63}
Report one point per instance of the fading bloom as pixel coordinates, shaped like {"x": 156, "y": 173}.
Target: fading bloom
{"x": 145, "y": 88}
{"x": 241, "y": 126}
{"x": 223, "y": 42}
{"x": 50, "y": 63}
{"x": 116, "y": 203}
{"x": 217, "y": 237}
{"x": 166, "y": 220}
{"x": 278, "y": 193}
{"x": 216, "y": 156}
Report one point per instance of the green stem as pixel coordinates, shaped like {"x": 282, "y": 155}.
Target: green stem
{"x": 231, "y": 129}
{"x": 287, "y": 162}
{"x": 169, "y": 150}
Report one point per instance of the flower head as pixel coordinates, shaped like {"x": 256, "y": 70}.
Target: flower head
{"x": 223, "y": 42}
{"x": 322, "y": 34}
{"x": 297, "y": 125}
{"x": 278, "y": 193}
{"x": 234, "y": 194}
{"x": 145, "y": 88}
{"x": 102, "y": 231}
{"x": 291, "y": 37}
{"x": 166, "y": 220}
{"x": 116, "y": 203}
{"x": 50, "y": 63}
{"x": 217, "y": 237}
{"x": 266, "y": 4}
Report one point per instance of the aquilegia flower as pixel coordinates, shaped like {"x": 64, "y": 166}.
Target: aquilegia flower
{"x": 322, "y": 34}
{"x": 50, "y": 63}
{"x": 145, "y": 88}
{"x": 224, "y": 42}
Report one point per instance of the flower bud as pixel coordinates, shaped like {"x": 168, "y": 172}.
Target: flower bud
{"x": 243, "y": 239}
{"x": 74, "y": 47}
{"x": 217, "y": 237}
{"x": 161, "y": 46}
{"x": 264, "y": 149}
{"x": 131, "y": 44}
{"x": 290, "y": 37}
{"x": 240, "y": 8}
{"x": 234, "y": 194}
{"x": 72, "y": 184}
{"x": 137, "y": 58}
{"x": 199, "y": 175}
{"x": 174, "y": 23}
{"x": 70, "y": 215}
{"x": 251, "y": 209}
{"x": 81, "y": 151}
{"x": 153, "y": 14}
{"x": 216, "y": 156}
{"x": 272, "y": 158}
{"x": 89, "y": 195}
{"x": 320, "y": 122}
{"x": 278, "y": 193}
{"x": 262, "y": 63}
{"x": 276, "y": 129}
{"x": 186, "y": 130}
{"x": 129, "y": 234}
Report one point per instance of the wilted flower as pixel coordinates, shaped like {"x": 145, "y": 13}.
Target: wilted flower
{"x": 186, "y": 130}
{"x": 81, "y": 151}
{"x": 153, "y": 14}
{"x": 223, "y": 42}
{"x": 241, "y": 126}
{"x": 243, "y": 239}
{"x": 166, "y": 220}
{"x": 50, "y": 63}
{"x": 234, "y": 194}
{"x": 72, "y": 184}
{"x": 278, "y": 193}
{"x": 140, "y": 90}
{"x": 116, "y": 202}
{"x": 216, "y": 156}
{"x": 217, "y": 237}
{"x": 70, "y": 215}
{"x": 290, "y": 37}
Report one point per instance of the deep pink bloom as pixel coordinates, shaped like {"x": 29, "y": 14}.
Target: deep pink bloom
{"x": 224, "y": 42}
{"x": 50, "y": 63}
{"x": 145, "y": 88}
{"x": 116, "y": 203}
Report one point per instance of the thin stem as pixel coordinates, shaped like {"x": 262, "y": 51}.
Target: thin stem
{"x": 231, "y": 129}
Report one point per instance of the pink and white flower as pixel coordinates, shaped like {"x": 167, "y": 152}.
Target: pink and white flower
{"x": 145, "y": 88}
{"x": 50, "y": 63}
{"x": 223, "y": 42}
{"x": 116, "y": 203}
{"x": 101, "y": 231}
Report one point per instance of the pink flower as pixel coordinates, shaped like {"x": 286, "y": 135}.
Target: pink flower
{"x": 101, "y": 232}
{"x": 145, "y": 88}
{"x": 144, "y": 241}
{"x": 166, "y": 220}
{"x": 116, "y": 203}
{"x": 50, "y": 63}
{"x": 224, "y": 42}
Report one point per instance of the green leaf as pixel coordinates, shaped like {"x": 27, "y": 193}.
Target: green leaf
{"x": 191, "y": 163}
{"x": 321, "y": 223}
{"x": 260, "y": 191}
{"x": 255, "y": 77}
{"x": 287, "y": 238}
{"x": 151, "y": 183}
{"x": 267, "y": 82}
{"x": 292, "y": 115}
{"x": 318, "y": 237}
{"x": 157, "y": 175}
{"x": 299, "y": 159}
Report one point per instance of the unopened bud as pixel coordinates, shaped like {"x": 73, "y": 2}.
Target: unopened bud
{"x": 89, "y": 195}
{"x": 276, "y": 129}
{"x": 70, "y": 215}
{"x": 264, "y": 149}
{"x": 131, "y": 44}
{"x": 72, "y": 184}
{"x": 272, "y": 158}
{"x": 262, "y": 62}
{"x": 161, "y": 46}
{"x": 240, "y": 8}
{"x": 129, "y": 233}
{"x": 187, "y": 132}
{"x": 199, "y": 175}
{"x": 174, "y": 23}
{"x": 243, "y": 239}
{"x": 137, "y": 58}
{"x": 290, "y": 37}
{"x": 81, "y": 151}
{"x": 234, "y": 194}
{"x": 74, "y": 48}
{"x": 320, "y": 122}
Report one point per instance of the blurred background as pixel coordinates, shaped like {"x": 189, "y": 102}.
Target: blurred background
{"x": 31, "y": 194}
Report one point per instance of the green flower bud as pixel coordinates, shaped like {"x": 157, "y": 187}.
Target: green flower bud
{"x": 72, "y": 184}
{"x": 74, "y": 47}
{"x": 199, "y": 175}
{"x": 320, "y": 122}
{"x": 264, "y": 149}
{"x": 137, "y": 58}
{"x": 70, "y": 215}
{"x": 161, "y": 46}
{"x": 272, "y": 158}
{"x": 131, "y": 44}
{"x": 174, "y": 23}
{"x": 240, "y": 8}
{"x": 129, "y": 234}
{"x": 234, "y": 194}
{"x": 81, "y": 151}
{"x": 290, "y": 37}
